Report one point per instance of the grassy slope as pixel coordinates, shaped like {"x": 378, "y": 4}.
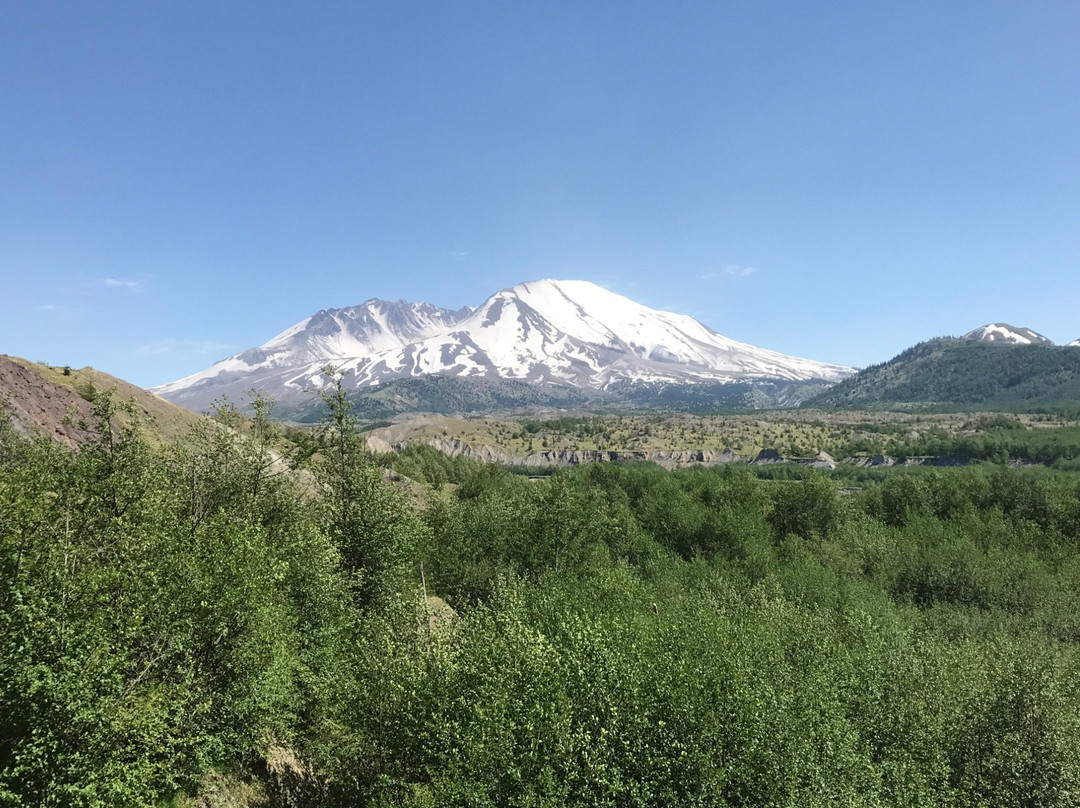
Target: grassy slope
{"x": 165, "y": 420}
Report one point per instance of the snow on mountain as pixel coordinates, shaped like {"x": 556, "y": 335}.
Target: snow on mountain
{"x": 1007, "y": 334}
{"x": 570, "y": 333}
{"x": 1074, "y": 344}
{"x": 331, "y": 336}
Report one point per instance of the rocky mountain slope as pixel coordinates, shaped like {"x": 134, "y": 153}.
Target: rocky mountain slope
{"x": 567, "y": 335}
{"x": 42, "y": 399}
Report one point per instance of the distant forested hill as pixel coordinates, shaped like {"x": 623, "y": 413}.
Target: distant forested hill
{"x": 955, "y": 373}
{"x": 452, "y": 394}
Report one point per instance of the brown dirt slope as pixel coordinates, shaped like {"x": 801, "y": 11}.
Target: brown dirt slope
{"x": 40, "y": 398}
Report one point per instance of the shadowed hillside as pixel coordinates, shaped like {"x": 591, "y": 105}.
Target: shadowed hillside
{"x": 953, "y": 373}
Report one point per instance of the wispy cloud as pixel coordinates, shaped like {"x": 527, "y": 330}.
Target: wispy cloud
{"x": 729, "y": 271}
{"x": 186, "y": 347}
{"x": 459, "y": 255}
{"x": 124, "y": 283}
{"x": 59, "y": 309}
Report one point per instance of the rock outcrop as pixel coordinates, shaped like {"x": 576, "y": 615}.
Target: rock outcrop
{"x": 668, "y": 459}
{"x": 768, "y": 456}
{"x": 550, "y": 458}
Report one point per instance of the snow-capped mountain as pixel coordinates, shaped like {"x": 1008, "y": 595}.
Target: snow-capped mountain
{"x": 568, "y": 333}
{"x": 1007, "y": 334}
{"x": 1074, "y": 344}
{"x": 373, "y": 327}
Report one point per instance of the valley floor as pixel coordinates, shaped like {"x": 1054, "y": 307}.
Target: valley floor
{"x": 677, "y": 439}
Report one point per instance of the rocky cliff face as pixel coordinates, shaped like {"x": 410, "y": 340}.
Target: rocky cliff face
{"x": 549, "y": 458}
{"x": 552, "y": 458}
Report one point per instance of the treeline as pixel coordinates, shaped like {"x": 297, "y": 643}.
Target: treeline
{"x": 209, "y": 618}
{"x": 446, "y": 395}
{"x": 998, "y": 441}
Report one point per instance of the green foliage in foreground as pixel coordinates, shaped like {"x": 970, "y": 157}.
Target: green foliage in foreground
{"x": 625, "y": 636}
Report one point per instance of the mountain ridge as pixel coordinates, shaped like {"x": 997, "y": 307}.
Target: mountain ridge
{"x": 563, "y": 334}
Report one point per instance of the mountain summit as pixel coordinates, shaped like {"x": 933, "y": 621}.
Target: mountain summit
{"x": 1008, "y": 335}
{"x": 562, "y": 333}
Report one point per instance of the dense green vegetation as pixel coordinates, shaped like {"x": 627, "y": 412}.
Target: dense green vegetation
{"x": 956, "y": 373}
{"x": 206, "y": 618}
{"x": 996, "y": 440}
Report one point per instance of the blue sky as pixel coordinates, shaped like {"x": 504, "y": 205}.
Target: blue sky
{"x": 836, "y": 180}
